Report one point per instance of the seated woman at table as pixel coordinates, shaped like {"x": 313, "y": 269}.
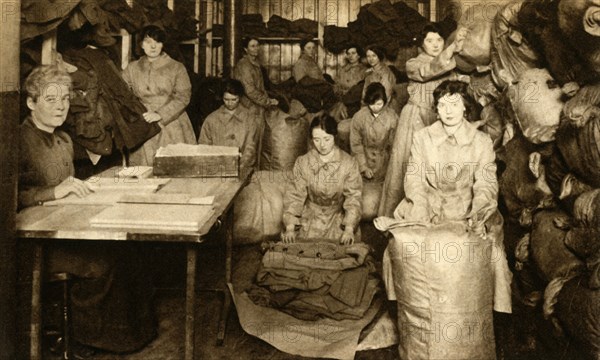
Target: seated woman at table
{"x": 232, "y": 125}
{"x": 324, "y": 198}
{"x": 451, "y": 202}
{"x": 111, "y": 298}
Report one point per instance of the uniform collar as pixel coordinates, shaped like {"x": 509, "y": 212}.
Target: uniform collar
{"x": 350, "y": 67}
{"x": 463, "y": 135}
{"x": 252, "y": 61}
{"x": 162, "y": 59}
{"x": 46, "y": 137}
{"x": 315, "y": 163}
{"x": 424, "y": 55}
{"x": 305, "y": 57}
{"x": 378, "y": 67}
{"x": 237, "y": 113}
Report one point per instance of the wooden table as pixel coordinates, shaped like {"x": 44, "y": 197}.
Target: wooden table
{"x": 74, "y": 225}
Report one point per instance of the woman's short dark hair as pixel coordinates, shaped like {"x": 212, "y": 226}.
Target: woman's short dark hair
{"x": 155, "y": 33}
{"x": 378, "y": 50}
{"x": 234, "y": 87}
{"x": 375, "y": 91}
{"x": 360, "y": 51}
{"x": 325, "y": 122}
{"x": 451, "y": 87}
{"x": 303, "y": 42}
{"x": 429, "y": 28}
{"x": 247, "y": 39}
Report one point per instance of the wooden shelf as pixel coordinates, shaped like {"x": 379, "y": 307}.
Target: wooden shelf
{"x": 274, "y": 39}
{"x": 189, "y": 42}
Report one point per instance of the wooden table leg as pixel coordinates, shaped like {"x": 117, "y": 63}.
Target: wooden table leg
{"x": 226, "y": 294}
{"x": 190, "y": 302}
{"x": 36, "y": 306}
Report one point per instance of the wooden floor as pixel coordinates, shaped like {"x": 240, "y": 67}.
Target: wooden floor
{"x": 521, "y": 336}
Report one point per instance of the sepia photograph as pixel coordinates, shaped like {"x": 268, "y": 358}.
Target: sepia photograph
{"x": 300, "y": 179}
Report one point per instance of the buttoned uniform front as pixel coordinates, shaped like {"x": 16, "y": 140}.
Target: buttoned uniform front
{"x": 307, "y": 66}
{"x": 163, "y": 86}
{"x": 348, "y": 76}
{"x": 46, "y": 160}
{"x": 371, "y": 140}
{"x": 450, "y": 177}
{"x": 324, "y": 198}
{"x": 247, "y": 71}
{"x": 425, "y": 72}
{"x": 236, "y": 128}
{"x": 382, "y": 74}
{"x": 453, "y": 178}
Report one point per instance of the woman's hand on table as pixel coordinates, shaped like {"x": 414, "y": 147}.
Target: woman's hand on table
{"x": 72, "y": 185}
{"x": 347, "y": 237}
{"x": 152, "y": 116}
{"x": 289, "y": 236}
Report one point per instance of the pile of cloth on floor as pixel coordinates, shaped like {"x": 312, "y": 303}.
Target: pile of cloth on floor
{"x": 314, "y": 280}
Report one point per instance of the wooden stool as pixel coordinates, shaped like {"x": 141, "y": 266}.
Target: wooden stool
{"x": 64, "y": 341}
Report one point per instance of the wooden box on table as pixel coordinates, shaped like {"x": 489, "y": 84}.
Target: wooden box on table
{"x": 183, "y": 160}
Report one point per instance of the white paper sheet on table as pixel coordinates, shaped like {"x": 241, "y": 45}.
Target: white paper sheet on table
{"x": 109, "y": 190}
{"x": 153, "y": 217}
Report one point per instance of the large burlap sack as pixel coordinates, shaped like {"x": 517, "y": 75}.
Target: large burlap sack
{"x": 258, "y": 209}
{"x": 537, "y": 104}
{"x": 371, "y": 196}
{"x": 443, "y": 280}
{"x": 578, "y": 309}
{"x": 343, "y": 136}
{"x": 580, "y": 150}
{"x": 478, "y": 17}
{"x": 519, "y": 187}
{"x": 284, "y": 139}
{"x": 550, "y": 255}
{"x": 511, "y": 54}
{"x": 578, "y": 21}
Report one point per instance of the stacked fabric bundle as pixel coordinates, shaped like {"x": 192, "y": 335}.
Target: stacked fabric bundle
{"x": 315, "y": 280}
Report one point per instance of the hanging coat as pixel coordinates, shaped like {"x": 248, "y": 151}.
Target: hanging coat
{"x": 425, "y": 73}
{"x": 163, "y": 86}
{"x": 324, "y": 198}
